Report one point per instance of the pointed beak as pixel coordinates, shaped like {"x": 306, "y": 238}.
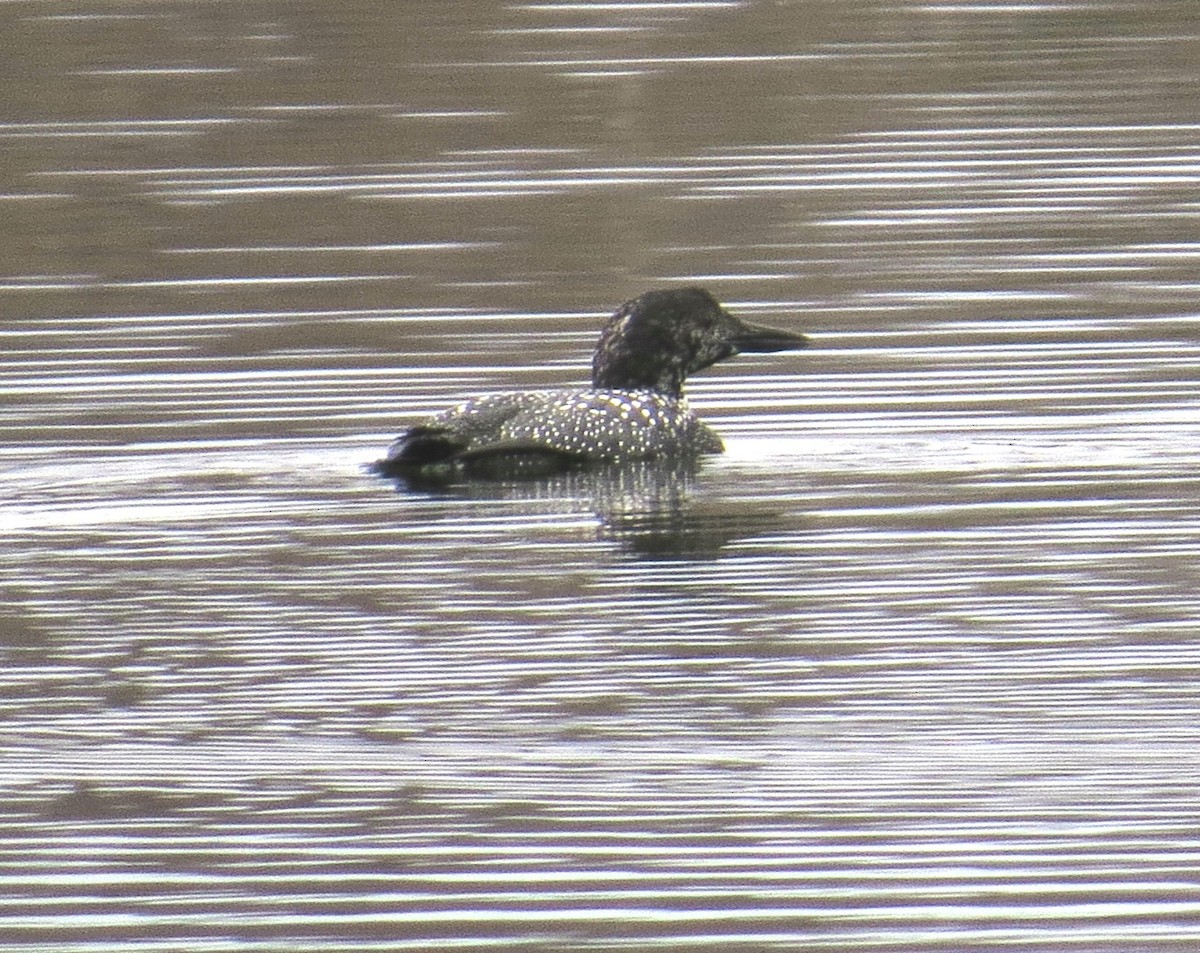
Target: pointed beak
{"x": 758, "y": 338}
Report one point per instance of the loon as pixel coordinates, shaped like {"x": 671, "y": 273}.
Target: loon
{"x": 634, "y": 410}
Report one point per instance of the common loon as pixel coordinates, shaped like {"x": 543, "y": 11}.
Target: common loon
{"x": 634, "y": 410}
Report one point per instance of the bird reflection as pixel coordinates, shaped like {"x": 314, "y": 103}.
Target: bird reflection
{"x": 652, "y": 509}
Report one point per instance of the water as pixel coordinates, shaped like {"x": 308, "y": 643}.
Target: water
{"x": 911, "y": 667}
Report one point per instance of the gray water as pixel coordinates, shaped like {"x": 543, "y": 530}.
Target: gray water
{"x": 910, "y": 668}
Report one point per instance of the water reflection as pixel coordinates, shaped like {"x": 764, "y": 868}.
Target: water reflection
{"x": 650, "y": 508}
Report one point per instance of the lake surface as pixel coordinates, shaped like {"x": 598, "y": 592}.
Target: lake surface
{"x": 912, "y": 667}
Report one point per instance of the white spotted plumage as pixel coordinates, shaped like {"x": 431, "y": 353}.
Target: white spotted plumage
{"x": 634, "y": 410}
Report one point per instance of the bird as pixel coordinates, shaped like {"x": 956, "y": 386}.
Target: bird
{"x": 634, "y": 410}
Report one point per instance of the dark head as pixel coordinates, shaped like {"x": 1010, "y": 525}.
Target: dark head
{"x": 655, "y": 341}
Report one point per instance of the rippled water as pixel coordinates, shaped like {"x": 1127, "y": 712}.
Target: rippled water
{"x": 911, "y": 667}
